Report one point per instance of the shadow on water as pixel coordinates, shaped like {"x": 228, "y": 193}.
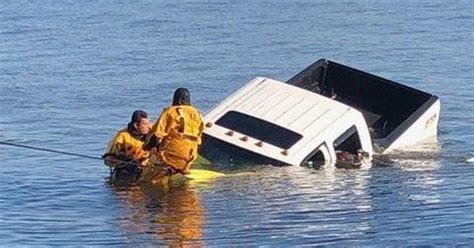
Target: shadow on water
{"x": 170, "y": 215}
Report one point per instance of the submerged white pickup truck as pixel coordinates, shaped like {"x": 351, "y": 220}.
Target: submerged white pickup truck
{"x": 325, "y": 109}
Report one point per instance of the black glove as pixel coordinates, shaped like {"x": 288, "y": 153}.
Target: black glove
{"x": 153, "y": 141}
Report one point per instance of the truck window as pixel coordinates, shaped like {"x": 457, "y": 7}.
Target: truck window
{"x": 259, "y": 129}
{"x": 223, "y": 153}
{"x": 348, "y": 141}
{"x": 316, "y": 159}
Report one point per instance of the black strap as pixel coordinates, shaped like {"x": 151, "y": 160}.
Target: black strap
{"x": 189, "y": 137}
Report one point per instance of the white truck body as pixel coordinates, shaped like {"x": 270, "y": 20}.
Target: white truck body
{"x": 317, "y": 121}
{"x": 325, "y": 108}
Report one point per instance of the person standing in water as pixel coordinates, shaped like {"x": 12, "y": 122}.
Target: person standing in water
{"x": 124, "y": 154}
{"x": 175, "y": 137}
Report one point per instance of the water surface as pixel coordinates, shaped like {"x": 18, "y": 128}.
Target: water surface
{"x": 71, "y": 73}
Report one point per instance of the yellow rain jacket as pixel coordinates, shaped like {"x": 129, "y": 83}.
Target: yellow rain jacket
{"x": 179, "y": 128}
{"x": 125, "y": 147}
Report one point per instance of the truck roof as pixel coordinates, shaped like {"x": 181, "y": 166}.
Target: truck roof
{"x": 278, "y": 120}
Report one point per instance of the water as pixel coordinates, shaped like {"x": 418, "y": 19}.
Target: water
{"x": 71, "y": 74}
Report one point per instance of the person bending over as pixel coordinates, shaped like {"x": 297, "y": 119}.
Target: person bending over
{"x": 176, "y": 135}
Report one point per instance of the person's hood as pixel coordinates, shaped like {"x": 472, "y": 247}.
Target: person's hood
{"x": 181, "y": 97}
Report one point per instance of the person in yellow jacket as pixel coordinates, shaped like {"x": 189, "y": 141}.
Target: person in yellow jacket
{"x": 176, "y": 135}
{"x": 125, "y": 154}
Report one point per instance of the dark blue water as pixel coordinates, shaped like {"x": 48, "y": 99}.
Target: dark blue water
{"x": 72, "y": 72}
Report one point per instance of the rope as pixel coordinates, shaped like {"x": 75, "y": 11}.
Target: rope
{"x": 50, "y": 150}
{"x": 69, "y": 153}
{"x": 66, "y": 153}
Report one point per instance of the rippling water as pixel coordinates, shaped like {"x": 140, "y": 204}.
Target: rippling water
{"x": 72, "y": 72}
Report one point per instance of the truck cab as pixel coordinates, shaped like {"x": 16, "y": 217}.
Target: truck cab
{"x": 272, "y": 122}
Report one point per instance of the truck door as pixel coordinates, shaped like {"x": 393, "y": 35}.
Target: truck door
{"x": 318, "y": 157}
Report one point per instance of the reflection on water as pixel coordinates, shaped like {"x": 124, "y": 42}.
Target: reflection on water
{"x": 171, "y": 215}
{"x": 297, "y": 205}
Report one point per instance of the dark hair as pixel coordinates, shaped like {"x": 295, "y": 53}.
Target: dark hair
{"x": 137, "y": 115}
{"x": 181, "y": 96}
